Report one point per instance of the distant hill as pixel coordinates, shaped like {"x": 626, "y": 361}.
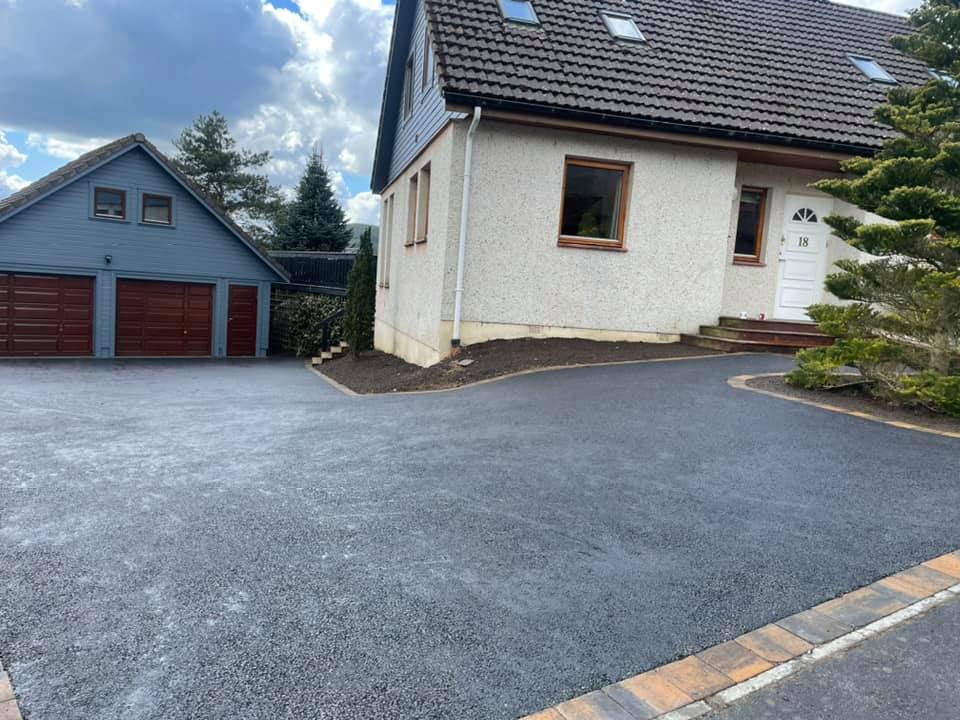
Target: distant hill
{"x": 357, "y": 230}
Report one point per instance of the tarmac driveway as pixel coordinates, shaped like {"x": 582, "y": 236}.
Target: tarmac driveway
{"x": 238, "y": 540}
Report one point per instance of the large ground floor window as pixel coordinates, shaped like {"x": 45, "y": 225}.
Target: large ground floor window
{"x": 594, "y": 208}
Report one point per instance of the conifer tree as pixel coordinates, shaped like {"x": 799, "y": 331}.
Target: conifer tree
{"x": 361, "y": 298}
{"x": 208, "y": 155}
{"x": 314, "y": 220}
{"x": 901, "y": 329}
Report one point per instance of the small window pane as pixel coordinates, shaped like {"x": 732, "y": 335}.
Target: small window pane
{"x": 750, "y": 223}
{"x": 156, "y": 209}
{"x": 872, "y": 69}
{"x": 519, "y": 11}
{"x": 109, "y": 203}
{"x": 592, "y": 203}
{"x": 622, "y": 26}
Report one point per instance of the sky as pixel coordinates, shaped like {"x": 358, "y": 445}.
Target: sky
{"x": 287, "y": 74}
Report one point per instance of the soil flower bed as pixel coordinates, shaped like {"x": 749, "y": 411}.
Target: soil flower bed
{"x": 379, "y": 372}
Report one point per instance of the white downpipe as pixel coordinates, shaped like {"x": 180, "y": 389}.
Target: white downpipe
{"x": 464, "y": 219}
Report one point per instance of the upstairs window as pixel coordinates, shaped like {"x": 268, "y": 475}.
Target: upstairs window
{"x": 110, "y": 203}
{"x": 408, "y": 88}
{"x": 593, "y": 209}
{"x": 872, "y": 69}
{"x": 428, "y": 61}
{"x": 157, "y": 209}
{"x": 622, "y": 26}
{"x": 748, "y": 247}
{"x": 520, "y": 11}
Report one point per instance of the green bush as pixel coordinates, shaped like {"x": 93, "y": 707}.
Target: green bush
{"x": 301, "y": 319}
{"x": 361, "y": 298}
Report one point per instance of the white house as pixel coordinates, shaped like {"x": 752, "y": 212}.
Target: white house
{"x": 628, "y": 170}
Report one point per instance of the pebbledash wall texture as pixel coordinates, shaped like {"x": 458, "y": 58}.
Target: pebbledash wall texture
{"x": 676, "y": 271}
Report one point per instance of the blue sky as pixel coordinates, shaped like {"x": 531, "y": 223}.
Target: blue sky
{"x": 287, "y": 74}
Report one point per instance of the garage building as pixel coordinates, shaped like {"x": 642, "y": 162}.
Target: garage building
{"x": 118, "y": 254}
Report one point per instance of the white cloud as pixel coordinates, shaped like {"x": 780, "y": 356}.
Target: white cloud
{"x": 64, "y": 148}
{"x": 364, "y": 208}
{"x": 10, "y": 157}
{"x": 327, "y": 93}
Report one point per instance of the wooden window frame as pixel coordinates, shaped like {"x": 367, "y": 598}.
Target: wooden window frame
{"x": 575, "y": 241}
{"x": 423, "y": 204}
{"x": 754, "y": 259}
{"x": 413, "y": 202}
{"x": 143, "y": 209}
{"x": 123, "y": 203}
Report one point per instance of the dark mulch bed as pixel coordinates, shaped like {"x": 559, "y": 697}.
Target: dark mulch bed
{"x": 379, "y": 372}
{"x": 855, "y": 398}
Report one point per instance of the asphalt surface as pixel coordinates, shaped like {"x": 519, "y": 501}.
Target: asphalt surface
{"x": 910, "y": 672}
{"x": 239, "y": 540}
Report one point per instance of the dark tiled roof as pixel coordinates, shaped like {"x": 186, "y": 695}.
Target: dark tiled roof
{"x": 774, "y": 70}
{"x": 86, "y": 162}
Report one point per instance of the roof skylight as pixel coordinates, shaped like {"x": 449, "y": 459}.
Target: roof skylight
{"x": 520, "y": 11}
{"x": 872, "y": 69}
{"x": 622, "y": 26}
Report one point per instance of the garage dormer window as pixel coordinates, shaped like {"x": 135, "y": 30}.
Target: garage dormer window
{"x": 622, "y": 27}
{"x": 110, "y": 203}
{"x": 520, "y": 11}
{"x": 157, "y": 209}
{"x": 872, "y": 69}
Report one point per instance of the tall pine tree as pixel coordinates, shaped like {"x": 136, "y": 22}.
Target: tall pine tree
{"x": 208, "y": 155}
{"x": 901, "y": 329}
{"x": 361, "y": 298}
{"x": 314, "y": 220}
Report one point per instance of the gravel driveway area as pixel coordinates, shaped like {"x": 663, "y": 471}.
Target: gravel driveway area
{"x": 239, "y": 540}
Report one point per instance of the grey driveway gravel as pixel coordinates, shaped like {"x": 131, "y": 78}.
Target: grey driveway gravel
{"x": 911, "y": 672}
{"x": 239, "y": 540}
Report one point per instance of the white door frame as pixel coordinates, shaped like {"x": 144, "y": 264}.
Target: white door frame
{"x": 803, "y": 256}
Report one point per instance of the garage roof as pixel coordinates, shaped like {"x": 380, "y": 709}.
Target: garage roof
{"x": 90, "y": 161}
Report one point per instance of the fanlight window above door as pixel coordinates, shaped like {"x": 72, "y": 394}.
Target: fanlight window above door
{"x": 805, "y": 215}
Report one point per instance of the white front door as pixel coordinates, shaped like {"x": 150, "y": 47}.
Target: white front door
{"x": 803, "y": 253}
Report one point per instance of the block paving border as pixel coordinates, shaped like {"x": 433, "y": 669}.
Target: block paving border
{"x": 719, "y": 676}
{"x": 9, "y": 710}
{"x": 740, "y": 383}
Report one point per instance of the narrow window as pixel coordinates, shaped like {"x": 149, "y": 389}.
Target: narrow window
{"x": 622, "y": 26}
{"x": 872, "y": 69}
{"x": 750, "y": 221}
{"x": 408, "y": 88}
{"x": 386, "y": 233}
{"x": 520, "y": 11}
{"x": 427, "y": 61}
{"x": 157, "y": 209}
{"x": 593, "y": 211}
{"x": 110, "y": 203}
{"x": 423, "y": 204}
{"x": 412, "y": 201}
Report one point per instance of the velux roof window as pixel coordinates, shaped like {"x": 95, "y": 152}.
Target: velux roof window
{"x": 520, "y": 11}
{"x": 943, "y": 77}
{"x": 622, "y": 26}
{"x": 872, "y": 69}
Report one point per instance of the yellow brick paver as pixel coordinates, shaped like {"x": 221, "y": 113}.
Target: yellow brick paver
{"x": 774, "y": 644}
{"x": 694, "y": 677}
{"x": 948, "y": 564}
{"x": 735, "y": 661}
{"x": 649, "y": 690}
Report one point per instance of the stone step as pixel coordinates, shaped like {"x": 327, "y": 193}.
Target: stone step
{"x": 771, "y": 325}
{"x": 727, "y": 345}
{"x": 780, "y": 337}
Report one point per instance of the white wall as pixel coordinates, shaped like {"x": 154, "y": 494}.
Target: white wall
{"x": 408, "y": 311}
{"x": 670, "y": 278}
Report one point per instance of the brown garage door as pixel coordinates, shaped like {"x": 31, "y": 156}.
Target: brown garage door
{"x": 242, "y": 321}
{"x": 46, "y": 315}
{"x": 164, "y": 318}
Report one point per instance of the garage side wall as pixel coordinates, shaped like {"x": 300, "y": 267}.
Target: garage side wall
{"x": 58, "y": 235}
